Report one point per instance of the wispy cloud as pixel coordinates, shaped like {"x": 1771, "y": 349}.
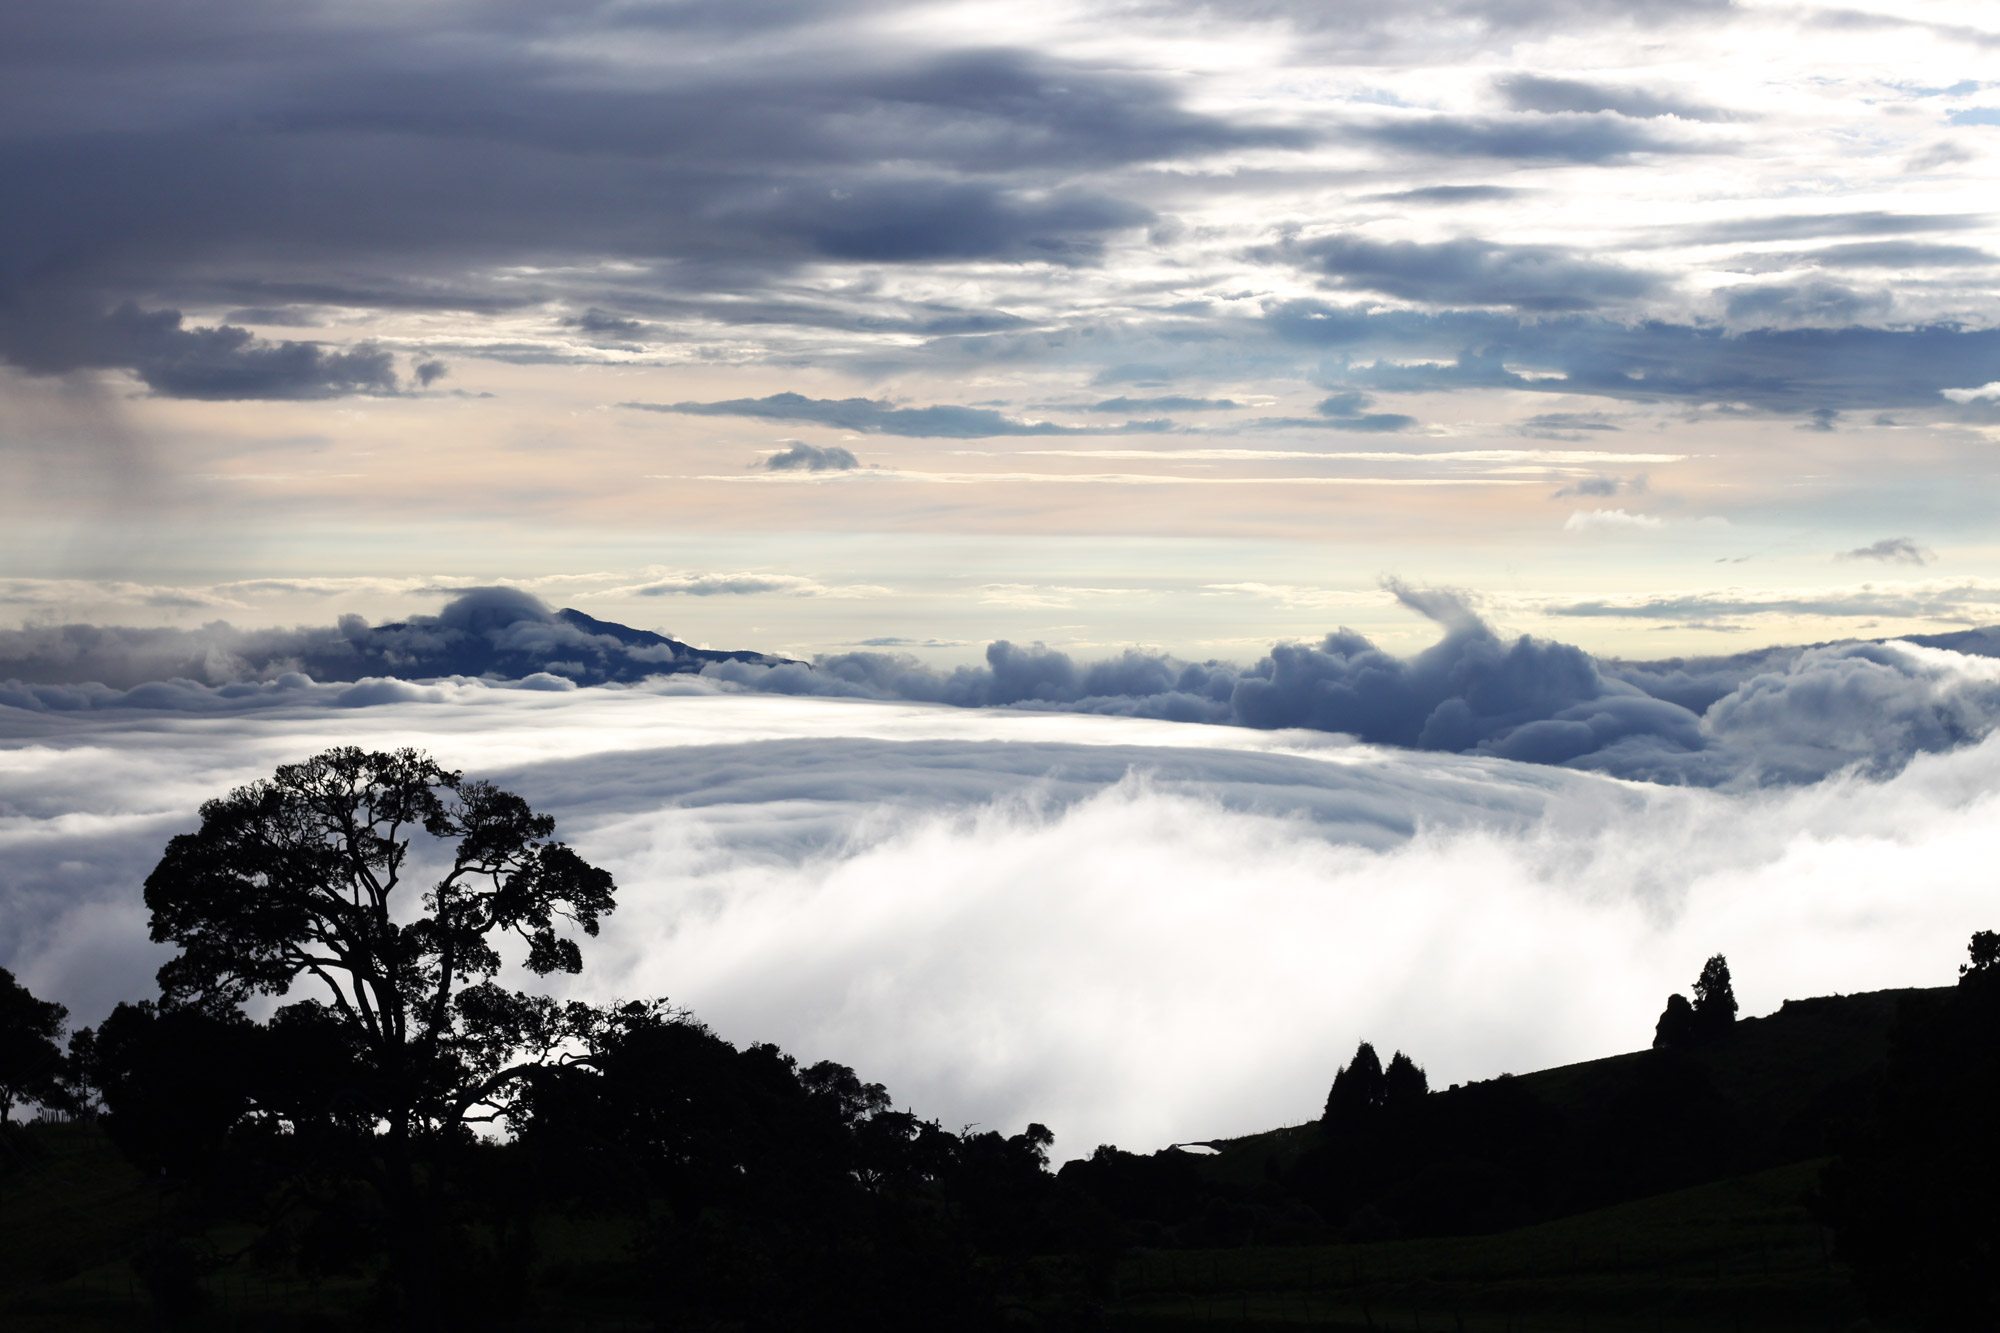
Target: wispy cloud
{"x": 1891, "y": 551}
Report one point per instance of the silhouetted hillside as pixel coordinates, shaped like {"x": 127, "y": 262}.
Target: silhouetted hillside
{"x": 1523, "y": 1149}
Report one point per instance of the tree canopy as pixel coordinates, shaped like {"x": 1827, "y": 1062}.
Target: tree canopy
{"x": 307, "y": 875}
{"x": 31, "y": 1063}
{"x": 1714, "y": 998}
{"x": 1710, "y": 1017}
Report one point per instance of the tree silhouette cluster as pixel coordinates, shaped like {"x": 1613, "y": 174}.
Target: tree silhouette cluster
{"x": 33, "y": 1068}
{"x": 414, "y": 1122}
{"x": 1709, "y": 1018}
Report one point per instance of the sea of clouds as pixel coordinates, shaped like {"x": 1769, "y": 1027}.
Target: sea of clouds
{"x": 1781, "y": 715}
{"x": 1132, "y": 929}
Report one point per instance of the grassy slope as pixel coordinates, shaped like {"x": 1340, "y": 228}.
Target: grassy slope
{"x": 1736, "y": 1256}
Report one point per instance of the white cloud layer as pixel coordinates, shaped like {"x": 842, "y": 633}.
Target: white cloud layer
{"x": 1134, "y": 931}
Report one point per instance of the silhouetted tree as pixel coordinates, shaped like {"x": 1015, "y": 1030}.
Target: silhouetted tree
{"x": 305, "y": 877}
{"x": 1711, "y": 1016}
{"x": 771, "y": 1196}
{"x": 1985, "y": 954}
{"x": 1356, "y": 1093}
{"x": 1676, "y": 1027}
{"x": 300, "y": 877}
{"x": 1404, "y": 1087}
{"x": 1714, "y": 1000}
{"x": 31, "y": 1061}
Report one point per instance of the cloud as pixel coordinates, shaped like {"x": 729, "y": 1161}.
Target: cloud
{"x": 1594, "y": 139}
{"x": 609, "y": 324}
{"x": 1470, "y": 272}
{"x": 1568, "y": 426}
{"x": 1590, "y": 520}
{"x": 875, "y": 416}
{"x": 1167, "y": 404}
{"x": 1535, "y": 92}
{"x": 1345, "y": 411}
{"x": 870, "y": 885}
{"x": 1891, "y": 551}
{"x": 1817, "y": 304}
{"x": 1796, "y": 226}
{"x": 1473, "y": 691}
{"x": 921, "y": 220}
{"x": 481, "y": 161}
{"x": 1928, "y": 601}
{"x": 1943, "y": 153}
{"x": 1601, "y": 487}
{"x": 1984, "y": 393}
{"x": 798, "y": 456}
{"x": 222, "y": 362}
{"x": 501, "y": 632}
{"x": 1450, "y": 194}
{"x": 1889, "y": 254}
{"x": 732, "y": 585}
{"x": 1786, "y": 370}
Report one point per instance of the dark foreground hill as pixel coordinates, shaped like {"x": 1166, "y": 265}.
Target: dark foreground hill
{"x": 1781, "y": 1089}
{"x": 1655, "y": 1190}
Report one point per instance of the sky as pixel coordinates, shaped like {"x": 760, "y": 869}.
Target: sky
{"x": 1658, "y": 328}
{"x": 1249, "y": 525}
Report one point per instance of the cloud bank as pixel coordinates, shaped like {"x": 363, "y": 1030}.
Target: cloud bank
{"x": 1781, "y": 716}
{"x": 1786, "y": 716}
{"x": 1136, "y": 932}
{"x": 499, "y": 632}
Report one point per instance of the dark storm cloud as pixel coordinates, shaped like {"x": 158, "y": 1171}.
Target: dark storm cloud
{"x": 223, "y": 362}
{"x": 803, "y": 457}
{"x": 1779, "y": 370}
{"x": 1600, "y": 138}
{"x": 240, "y": 155}
{"x": 1469, "y": 272}
{"x": 876, "y": 416}
{"x": 1533, "y": 92}
{"x": 1892, "y": 551}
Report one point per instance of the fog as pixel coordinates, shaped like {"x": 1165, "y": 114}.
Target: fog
{"x": 1135, "y": 931}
